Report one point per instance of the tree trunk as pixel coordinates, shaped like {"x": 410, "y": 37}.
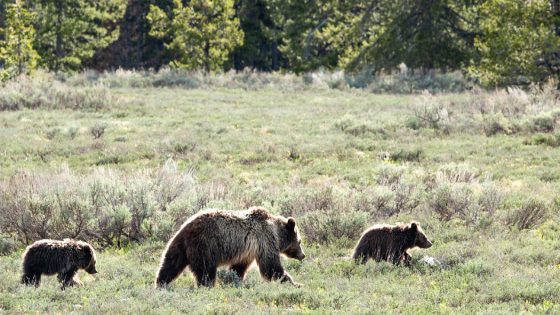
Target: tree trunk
{"x": 556, "y": 13}
{"x": 59, "y": 53}
{"x": 207, "y": 56}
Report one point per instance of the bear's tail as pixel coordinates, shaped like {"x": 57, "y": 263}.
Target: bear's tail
{"x": 173, "y": 262}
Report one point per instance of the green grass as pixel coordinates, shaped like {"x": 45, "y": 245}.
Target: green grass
{"x": 266, "y": 144}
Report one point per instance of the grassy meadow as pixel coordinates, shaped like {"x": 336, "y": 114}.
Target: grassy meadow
{"x": 124, "y": 164}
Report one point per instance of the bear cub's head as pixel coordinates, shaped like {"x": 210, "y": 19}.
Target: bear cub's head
{"x": 290, "y": 243}
{"x": 420, "y": 240}
{"x": 87, "y": 258}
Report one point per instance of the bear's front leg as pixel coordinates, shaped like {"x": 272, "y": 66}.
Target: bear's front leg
{"x": 271, "y": 269}
{"x": 67, "y": 279}
{"x": 407, "y": 260}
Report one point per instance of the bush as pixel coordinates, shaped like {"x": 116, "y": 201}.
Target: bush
{"x": 251, "y": 80}
{"x": 324, "y": 227}
{"x": 7, "y": 245}
{"x": 98, "y": 130}
{"x": 457, "y": 193}
{"x": 544, "y": 123}
{"x": 106, "y": 206}
{"x": 544, "y": 139}
{"x": 497, "y": 123}
{"x": 352, "y": 126}
{"x": 406, "y": 155}
{"x": 294, "y": 202}
{"x": 431, "y": 112}
{"x": 45, "y": 92}
{"x": 532, "y": 213}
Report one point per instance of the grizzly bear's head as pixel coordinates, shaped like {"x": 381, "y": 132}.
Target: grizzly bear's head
{"x": 87, "y": 258}
{"x": 290, "y": 242}
{"x": 421, "y": 240}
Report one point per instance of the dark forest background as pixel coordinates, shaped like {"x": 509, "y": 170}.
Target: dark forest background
{"x": 496, "y": 42}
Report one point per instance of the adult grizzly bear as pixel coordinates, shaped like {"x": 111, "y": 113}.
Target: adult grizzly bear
{"x": 390, "y": 243}
{"x": 61, "y": 257}
{"x": 216, "y": 238}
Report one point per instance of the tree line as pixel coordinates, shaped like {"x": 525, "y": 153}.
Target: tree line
{"x": 497, "y": 42}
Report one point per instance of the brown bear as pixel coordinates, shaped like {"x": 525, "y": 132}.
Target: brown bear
{"x": 61, "y": 257}
{"x": 390, "y": 243}
{"x": 215, "y": 238}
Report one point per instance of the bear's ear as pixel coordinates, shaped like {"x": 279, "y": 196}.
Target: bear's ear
{"x": 291, "y": 224}
{"x": 414, "y": 226}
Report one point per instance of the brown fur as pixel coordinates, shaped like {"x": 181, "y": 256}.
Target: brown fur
{"x": 51, "y": 257}
{"x": 215, "y": 238}
{"x": 390, "y": 243}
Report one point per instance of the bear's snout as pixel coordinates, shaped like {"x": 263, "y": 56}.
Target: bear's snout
{"x": 301, "y": 257}
{"x": 428, "y": 244}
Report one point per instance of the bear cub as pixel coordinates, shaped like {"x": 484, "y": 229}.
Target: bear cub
{"x": 215, "y": 238}
{"x": 51, "y": 257}
{"x": 390, "y": 243}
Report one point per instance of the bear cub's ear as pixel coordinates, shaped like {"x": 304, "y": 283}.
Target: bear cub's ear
{"x": 414, "y": 226}
{"x": 291, "y": 224}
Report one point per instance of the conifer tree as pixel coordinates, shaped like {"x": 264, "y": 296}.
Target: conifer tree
{"x": 16, "y": 47}
{"x": 199, "y": 35}
{"x": 69, "y": 32}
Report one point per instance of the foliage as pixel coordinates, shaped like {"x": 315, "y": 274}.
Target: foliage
{"x": 514, "y": 35}
{"x": 201, "y": 34}
{"x": 16, "y": 48}
{"x": 69, "y": 33}
{"x": 43, "y": 92}
{"x": 421, "y": 34}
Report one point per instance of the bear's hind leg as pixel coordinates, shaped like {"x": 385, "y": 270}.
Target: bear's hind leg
{"x": 204, "y": 272}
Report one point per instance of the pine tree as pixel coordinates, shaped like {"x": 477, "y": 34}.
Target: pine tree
{"x": 424, "y": 34}
{"x": 515, "y": 35}
{"x": 16, "y": 48}
{"x": 200, "y": 35}
{"x": 69, "y": 32}
{"x": 312, "y": 33}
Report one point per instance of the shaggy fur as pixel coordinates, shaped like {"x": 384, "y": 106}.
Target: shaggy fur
{"x": 390, "y": 243}
{"x": 215, "y": 238}
{"x": 51, "y": 257}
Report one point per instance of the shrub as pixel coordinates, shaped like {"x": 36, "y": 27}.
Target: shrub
{"x": 108, "y": 207}
{"x": 394, "y": 193}
{"x": 451, "y": 200}
{"x": 544, "y": 139}
{"x": 352, "y": 126}
{"x": 294, "y": 202}
{"x": 326, "y": 226}
{"x": 544, "y": 123}
{"x": 45, "y": 92}
{"x": 531, "y": 213}
{"x": 7, "y": 245}
{"x": 406, "y": 155}
{"x": 457, "y": 193}
{"x": 98, "y": 130}
{"x": 497, "y": 123}
{"x": 431, "y": 112}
